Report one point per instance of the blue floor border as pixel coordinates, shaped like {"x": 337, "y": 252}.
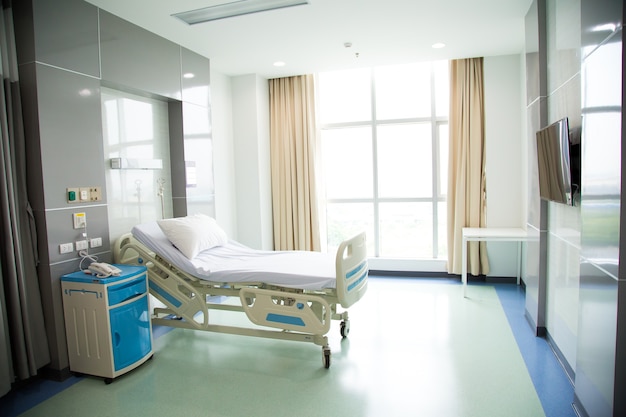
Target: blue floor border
{"x": 553, "y": 387}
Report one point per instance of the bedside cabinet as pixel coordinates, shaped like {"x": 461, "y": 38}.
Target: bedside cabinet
{"x": 107, "y": 322}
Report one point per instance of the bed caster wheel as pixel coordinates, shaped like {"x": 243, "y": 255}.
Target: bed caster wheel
{"x": 345, "y": 328}
{"x": 326, "y": 357}
{"x": 107, "y": 381}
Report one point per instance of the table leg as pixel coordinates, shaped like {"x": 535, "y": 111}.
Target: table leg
{"x": 464, "y": 267}
{"x": 519, "y": 261}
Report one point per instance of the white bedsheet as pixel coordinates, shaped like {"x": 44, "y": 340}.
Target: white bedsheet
{"x": 237, "y": 263}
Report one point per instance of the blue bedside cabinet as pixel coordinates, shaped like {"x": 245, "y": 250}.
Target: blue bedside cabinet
{"x": 107, "y": 322}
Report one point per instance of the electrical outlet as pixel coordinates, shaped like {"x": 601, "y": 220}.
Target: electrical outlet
{"x": 83, "y": 194}
{"x": 66, "y": 247}
{"x": 82, "y": 245}
{"x": 95, "y": 194}
{"x": 96, "y": 242}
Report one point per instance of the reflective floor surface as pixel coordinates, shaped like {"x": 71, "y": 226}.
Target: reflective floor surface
{"x": 416, "y": 348}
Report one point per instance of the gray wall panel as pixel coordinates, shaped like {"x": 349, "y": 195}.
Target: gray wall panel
{"x": 563, "y": 24}
{"x": 533, "y": 123}
{"x": 134, "y": 57}
{"x": 564, "y": 101}
{"x": 600, "y": 367}
{"x": 533, "y": 73}
{"x": 531, "y": 279}
{"x": 70, "y": 124}
{"x": 66, "y": 35}
{"x": 601, "y": 158}
{"x": 61, "y": 228}
{"x": 536, "y": 85}
{"x": 196, "y": 78}
{"x": 596, "y": 341}
{"x": 599, "y": 19}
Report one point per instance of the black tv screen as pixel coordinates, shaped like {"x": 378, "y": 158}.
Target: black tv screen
{"x": 558, "y": 160}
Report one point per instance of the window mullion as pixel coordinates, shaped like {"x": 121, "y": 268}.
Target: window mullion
{"x": 435, "y": 162}
{"x": 375, "y": 164}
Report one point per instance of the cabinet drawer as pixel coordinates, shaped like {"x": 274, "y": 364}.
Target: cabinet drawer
{"x": 127, "y": 290}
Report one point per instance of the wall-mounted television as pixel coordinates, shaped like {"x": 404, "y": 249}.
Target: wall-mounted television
{"x": 558, "y": 160}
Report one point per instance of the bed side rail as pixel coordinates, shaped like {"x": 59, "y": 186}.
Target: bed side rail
{"x": 167, "y": 284}
{"x": 296, "y": 312}
{"x": 352, "y": 270}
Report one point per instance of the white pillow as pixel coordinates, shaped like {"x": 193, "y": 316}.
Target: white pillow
{"x": 193, "y": 234}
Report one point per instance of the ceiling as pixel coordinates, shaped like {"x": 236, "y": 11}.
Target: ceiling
{"x": 312, "y": 38}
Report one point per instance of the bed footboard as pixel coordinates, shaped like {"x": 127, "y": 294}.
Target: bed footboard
{"x": 352, "y": 270}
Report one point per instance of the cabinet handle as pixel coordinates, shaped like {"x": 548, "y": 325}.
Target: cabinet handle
{"x": 117, "y": 338}
{"x": 137, "y": 295}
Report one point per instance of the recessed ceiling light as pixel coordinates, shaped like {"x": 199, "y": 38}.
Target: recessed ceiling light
{"x": 438, "y": 45}
{"x": 234, "y": 8}
{"x": 279, "y": 64}
{"x": 188, "y": 75}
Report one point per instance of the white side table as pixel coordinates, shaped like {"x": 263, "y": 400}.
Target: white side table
{"x": 501, "y": 234}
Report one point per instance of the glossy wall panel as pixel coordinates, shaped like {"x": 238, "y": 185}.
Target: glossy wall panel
{"x": 200, "y": 188}
{"x": 594, "y": 385}
{"x": 70, "y": 133}
{"x": 600, "y": 19}
{"x": 66, "y": 35}
{"x": 534, "y": 72}
{"x": 563, "y": 29}
{"x": 601, "y": 156}
{"x": 600, "y": 381}
{"x": 563, "y": 273}
{"x": 561, "y": 250}
{"x": 536, "y": 88}
{"x": 60, "y": 227}
{"x": 138, "y": 59}
{"x": 533, "y": 124}
{"x": 196, "y": 76}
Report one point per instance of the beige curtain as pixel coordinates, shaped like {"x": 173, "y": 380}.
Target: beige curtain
{"x": 466, "y": 180}
{"x": 293, "y": 160}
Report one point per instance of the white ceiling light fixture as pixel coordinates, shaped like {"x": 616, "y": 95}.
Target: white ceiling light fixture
{"x": 438, "y": 45}
{"x": 235, "y": 8}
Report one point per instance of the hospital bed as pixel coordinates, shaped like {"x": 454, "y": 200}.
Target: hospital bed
{"x": 289, "y": 295}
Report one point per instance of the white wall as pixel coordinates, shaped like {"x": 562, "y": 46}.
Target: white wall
{"x": 249, "y": 134}
{"x": 223, "y": 153}
{"x": 504, "y": 164}
{"x": 250, "y": 118}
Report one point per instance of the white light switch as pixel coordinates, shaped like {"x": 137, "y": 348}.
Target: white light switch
{"x": 80, "y": 220}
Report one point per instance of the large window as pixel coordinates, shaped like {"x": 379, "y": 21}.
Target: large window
{"x": 384, "y": 141}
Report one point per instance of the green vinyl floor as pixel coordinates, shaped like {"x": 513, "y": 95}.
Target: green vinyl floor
{"x": 415, "y": 348}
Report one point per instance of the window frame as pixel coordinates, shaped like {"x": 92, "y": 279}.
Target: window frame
{"x": 439, "y": 190}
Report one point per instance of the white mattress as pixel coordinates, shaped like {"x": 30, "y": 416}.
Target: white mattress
{"x": 237, "y": 263}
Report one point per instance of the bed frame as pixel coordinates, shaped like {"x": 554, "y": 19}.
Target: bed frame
{"x": 292, "y": 314}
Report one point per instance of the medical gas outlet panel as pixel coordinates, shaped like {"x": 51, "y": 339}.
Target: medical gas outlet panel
{"x": 107, "y": 321}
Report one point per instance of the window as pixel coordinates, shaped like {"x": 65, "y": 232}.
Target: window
{"x": 384, "y": 142}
